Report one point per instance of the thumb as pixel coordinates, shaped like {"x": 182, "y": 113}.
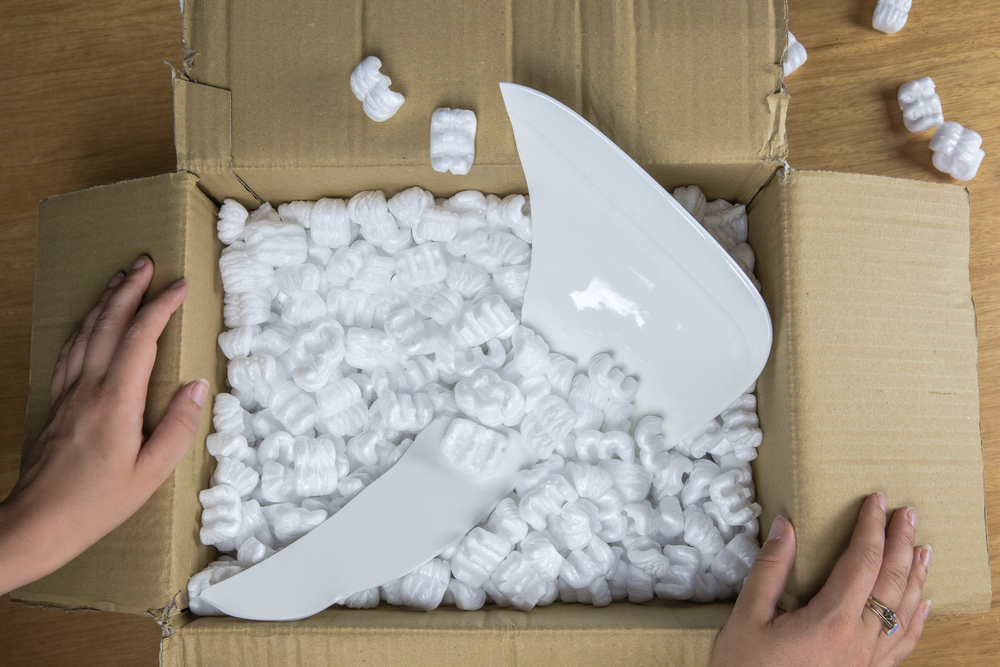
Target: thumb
{"x": 766, "y": 582}
{"x": 174, "y": 434}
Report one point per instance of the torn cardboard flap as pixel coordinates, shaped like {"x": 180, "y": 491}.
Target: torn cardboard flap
{"x": 872, "y": 383}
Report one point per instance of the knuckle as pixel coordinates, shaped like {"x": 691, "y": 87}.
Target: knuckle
{"x": 834, "y": 621}
{"x": 767, "y": 559}
{"x": 136, "y": 331}
{"x": 191, "y": 422}
{"x": 918, "y": 577}
{"x": 868, "y": 557}
{"x": 81, "y": 339}
{"x": 105, "y": 320}
{"x": 898, "y": 573}
{"x": 839, "y": 632}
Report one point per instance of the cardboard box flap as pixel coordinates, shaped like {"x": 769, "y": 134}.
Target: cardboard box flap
{"x": 672, "y": 84}
{"x": 681, "y": 635}
{"x": 872, "y": 381}
{"x": 205, "y": 147}
{"x": 83, "y": 239}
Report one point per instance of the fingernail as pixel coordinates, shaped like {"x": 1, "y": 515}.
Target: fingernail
{"x": 881, "y": 501}
{"x": 139, "y": 263}
{"x": 177, "y": 284}
{"x": 778, "y": 528}
{"x": 926, "y": 554}
{"x": 927, "y": 608}
{"x": 117, "y": 280}
{"x": 911, "y": 516}
{"x": 200, "y": 392}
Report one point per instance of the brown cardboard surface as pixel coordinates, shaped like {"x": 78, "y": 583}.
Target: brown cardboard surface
{"x": 83, "y": 239}
{"x": 651, "y": 634}
{"x": 205, "y": 147}
{"x": 640, "y": 72}
{"x": 872, "y": 381}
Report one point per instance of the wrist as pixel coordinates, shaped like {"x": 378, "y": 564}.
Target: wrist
{"x": 22, "y": 559}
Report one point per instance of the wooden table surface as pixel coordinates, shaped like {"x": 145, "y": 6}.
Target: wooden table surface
{"x": 85, "y": 99}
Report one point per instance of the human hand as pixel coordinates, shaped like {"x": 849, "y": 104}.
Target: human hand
{"x": 91, "y": 468}
{"x": 835, "y": 628}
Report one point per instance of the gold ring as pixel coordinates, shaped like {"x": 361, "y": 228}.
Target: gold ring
{"x": 886, "y": 615}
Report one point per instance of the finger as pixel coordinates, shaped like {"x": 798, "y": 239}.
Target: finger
{"x": 915, "y": 627}
{"x": 895, "y": 571}
{"x": 854, "y": 575}
{"x": 58, "y": 382}
{"x": 128, "y": 373}
{"x": 111, "y": 323}
{"x": 766, "y": 582}
{"x": 78, "y": 350}
{"x": 174, "y": 434}
{"x": 919, "y": 564}
{"x": 896, "y": 557}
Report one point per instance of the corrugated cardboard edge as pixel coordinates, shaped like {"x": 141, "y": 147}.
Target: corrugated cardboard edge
{"x": 68, "y": 239}
{"x": 776, "y": 388}
{"x": 655, "y": 633}
{"x": 925, "y": 335}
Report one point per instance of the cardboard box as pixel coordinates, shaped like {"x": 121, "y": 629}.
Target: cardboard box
{"x": 872, "y": 379}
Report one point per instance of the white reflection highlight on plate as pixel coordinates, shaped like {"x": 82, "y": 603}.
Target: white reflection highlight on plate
{"x": 600, "y": 296}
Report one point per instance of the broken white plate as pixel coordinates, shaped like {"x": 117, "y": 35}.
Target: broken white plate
{"x": 618, "y": 266}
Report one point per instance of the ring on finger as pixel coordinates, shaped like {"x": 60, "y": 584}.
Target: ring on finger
{"x": 888, "y": 617}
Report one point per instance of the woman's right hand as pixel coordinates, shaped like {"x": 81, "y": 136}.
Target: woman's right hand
{"x": 835, "y": 628}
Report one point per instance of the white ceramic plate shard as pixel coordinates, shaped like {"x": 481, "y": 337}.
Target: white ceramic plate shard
{"x": 619, "y": 266}
{"x": 404, "y": 518}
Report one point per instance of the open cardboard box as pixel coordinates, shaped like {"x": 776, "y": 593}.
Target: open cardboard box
{"x": 871, "y": 383}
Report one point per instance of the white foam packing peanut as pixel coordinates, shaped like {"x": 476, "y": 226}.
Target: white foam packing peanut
{"x": 920, "y": 105}
{"x": 355, "y": 323}
{"x": 795, "y": 57}
{"x": 453, "y": 140}
{"x": 890, "y": 15}
{"x": 474, "y": 447}
{"x": 371, "y": 87}
{"x": 726, "y": 222}
{"x": 957, "y": 151}
{"x": 232, "y": 220}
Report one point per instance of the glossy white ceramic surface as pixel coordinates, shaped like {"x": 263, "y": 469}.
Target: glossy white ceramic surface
{"x": 419, "y": 507}
{"x": 619, "y": 266}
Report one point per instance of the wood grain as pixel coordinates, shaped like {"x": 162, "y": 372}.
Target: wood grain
{"x": 85, "y": 99}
